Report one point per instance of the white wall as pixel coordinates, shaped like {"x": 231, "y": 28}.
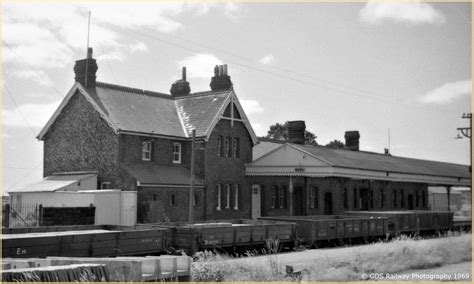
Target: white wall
{"x": 129, "y": 208}
{"x": 113, "y": 207}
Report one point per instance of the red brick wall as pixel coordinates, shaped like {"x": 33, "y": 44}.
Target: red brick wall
{"x": 81, "y": 140}
{"x": 336, "y": 186}
{"x": 228, "y": 170}
{"x": 154, "y": 204}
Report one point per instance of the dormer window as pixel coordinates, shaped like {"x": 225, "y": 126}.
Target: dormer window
{"x": 176, "y": 153}
{"x": 146, "y": 151}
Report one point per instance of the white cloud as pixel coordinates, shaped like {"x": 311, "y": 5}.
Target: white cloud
{"x": 33, "y": 46}
{"x": 447, "y": 92}
{"x": 111, "y": 56}
{"x": 251, "y": 106}
{"x": 38, "y": 76}
{"x": 232, "y": 11}
{"x": 36, "y": 115}
{"x": 133, "y": 15}
{"x": 138, "y": 47}
{"x": 200, "y": 65}
{"x": 267, "y": 59}
{"x": 409, "y": 12}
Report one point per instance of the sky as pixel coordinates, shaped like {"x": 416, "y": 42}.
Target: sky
{"x": 399, "y": 73}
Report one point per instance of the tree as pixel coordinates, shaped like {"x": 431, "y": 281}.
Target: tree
{"x": 280, "y": 132}
{"x": 336, "y": 144}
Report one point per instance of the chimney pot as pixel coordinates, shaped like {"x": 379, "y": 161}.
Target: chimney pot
{"x": 85, "y": 70}
{"x": 89, "y": 52}
{"x": 220, "y": 81}
{"x": 296, "y": 131}
{"x": 352, "y": 140}
{"x": 181, "y": 87}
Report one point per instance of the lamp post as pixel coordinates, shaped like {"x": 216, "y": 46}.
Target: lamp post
{"x": 467, "y": 133}
{"x": 191, "y": 182}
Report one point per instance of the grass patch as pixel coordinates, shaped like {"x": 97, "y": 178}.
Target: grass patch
{"x": 342, "y": 264}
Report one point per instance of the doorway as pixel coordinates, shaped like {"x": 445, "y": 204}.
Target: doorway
{"x": 410, "y": 202}
{"x": 328, "y": 203}
{"x": 298, "y": 201}
{"x": 364, "y": 199}
{"x": 256, "y": 201}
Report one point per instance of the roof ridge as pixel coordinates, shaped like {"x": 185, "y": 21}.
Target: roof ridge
{"x": 132, "y": 90}
{"x": 203, "y": 94}
{"x": 378, "y": 154}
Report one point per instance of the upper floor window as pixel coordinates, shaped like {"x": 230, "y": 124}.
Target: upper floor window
{"x": 227, "y": 147}
{"x": 235, "y": 147}
{"x": 227, "y": 196}
{"x": 146, "y": 151}
{"x": 219, "y": 146}
{"x": 236, "y": 196}
{"x": 176, "y": 153}
{"x": 218, "y": 197}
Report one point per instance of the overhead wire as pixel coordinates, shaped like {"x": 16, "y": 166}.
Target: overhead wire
{"x": 336, "y": 88}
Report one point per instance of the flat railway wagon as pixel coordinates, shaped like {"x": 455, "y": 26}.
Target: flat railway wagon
{"x": 239, "y": 234}
{"x": 411, "y": 221}
{"x": 83, "y": 241}
{"x": 317, "y": 230}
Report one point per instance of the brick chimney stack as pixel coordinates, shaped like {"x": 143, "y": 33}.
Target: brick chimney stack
{"x": 296, "y": 131}
{"x": 85, "y": 70}
{"x": 181, "y": 87}
{"x": 352, "y": 140}
{"x": 221, "y": 81}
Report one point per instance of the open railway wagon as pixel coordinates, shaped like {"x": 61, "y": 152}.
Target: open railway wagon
{"x": 317, "y": 230}
{"x": 238, "y": 234}
{"x": 84, "y": 241}
{"x": 412, "y": 221}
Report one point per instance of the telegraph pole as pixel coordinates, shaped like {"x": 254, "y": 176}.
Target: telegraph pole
{"x": 191, "y": 182}
{"x": 467, "y": 133}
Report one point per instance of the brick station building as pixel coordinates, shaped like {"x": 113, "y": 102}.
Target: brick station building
{"x": 142, "y": 141}
{"x": 297, "y": 179}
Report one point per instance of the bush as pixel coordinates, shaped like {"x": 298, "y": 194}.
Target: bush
{"x": 342, "y": 264}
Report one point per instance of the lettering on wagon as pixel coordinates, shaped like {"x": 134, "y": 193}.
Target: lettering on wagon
{"x": 20, "y": 251}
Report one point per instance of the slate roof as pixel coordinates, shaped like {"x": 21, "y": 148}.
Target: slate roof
{"x": 264, "y": 146}
{"x": 365, "y": 160}
{"x": 53, "y": 183}
{"x": 137, "y": 110}
{"x": 380, "y": 162}
{"x": 148, "y": 173}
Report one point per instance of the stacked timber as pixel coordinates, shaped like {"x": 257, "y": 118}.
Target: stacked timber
{"x": 120, "y": 269}
{"x": 63, "y": 273}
